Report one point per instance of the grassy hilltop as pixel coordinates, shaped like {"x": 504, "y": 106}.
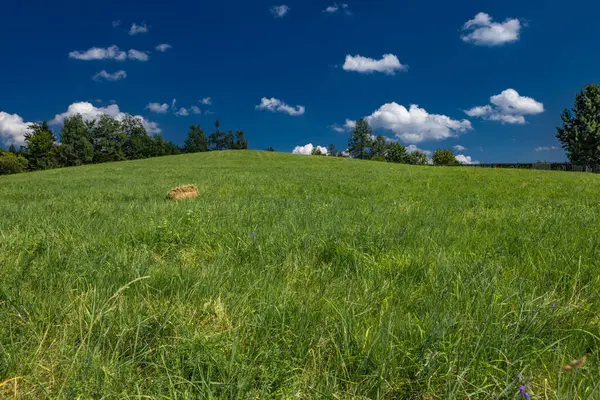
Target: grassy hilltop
{"x": 298, "y": 277}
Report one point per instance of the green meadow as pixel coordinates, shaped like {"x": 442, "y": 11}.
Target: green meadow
{"x": 295, "y": 277}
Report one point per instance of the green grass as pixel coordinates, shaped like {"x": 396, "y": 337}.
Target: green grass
{"x": 361, "y": 280}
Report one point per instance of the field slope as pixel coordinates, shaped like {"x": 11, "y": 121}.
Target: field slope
{"x": 298, "y": 277}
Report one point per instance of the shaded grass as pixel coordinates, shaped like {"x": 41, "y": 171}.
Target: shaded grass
{"x": 298, "y": 277}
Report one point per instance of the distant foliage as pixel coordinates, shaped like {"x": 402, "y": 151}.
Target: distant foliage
{"x": 416, "y": 158}
{"x": 444, "y": 157}
{"x": 580, "y": 131}
{"x": 316, "y": 151}
{"x": 196, "y": 140}
{"x": 332, "y": 151}
{"x": 360, "y": 140}
{"x": 379, "y": 148}
{"x": 106, "y": 139}
{"x": 378, "y": 158}
{"x": 396, "y": 153}
{"x": 269, "y": 149}
{"x": 12, "y": 163}
{"x": 40, "y": 148}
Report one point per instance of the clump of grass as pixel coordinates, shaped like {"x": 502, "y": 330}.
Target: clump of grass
{"x": 298, "y": 277}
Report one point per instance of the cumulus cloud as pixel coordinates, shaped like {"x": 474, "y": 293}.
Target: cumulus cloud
{"x": 109, "y": 53}
{"x": 335, "y": 8}
{"x": 182, "y": 112}
{"x": 546, "y": 148}
{"x": 163, "y": 47}
{"x": 135, "y": 28}
{"x": 415, "y": 124}
{"x": 483, "y": 31}
{"x": 115, "y": 76}
{"x": 350, "y": 124}
{"x": 158, "y": 108}
{"x": 411, "y": 148}
{"x": 508, "y": 107}
{"x": 280, "y": 11}
{"x": 389, "y": 64}
{"x": 458, "y": 147}
{"x": 90, "y": 112}
{"x": 12, "y": 129}
{"x": 137, "y": 55}
{"x": 206, "y": 101}
{"x": 195, "y": 110}
{"x": 276, "y": 105}
{"x": 461, "y": 158}
{"x": 308, "y": 149}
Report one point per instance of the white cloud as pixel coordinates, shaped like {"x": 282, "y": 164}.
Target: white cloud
{"x": 158, "y": 108}
{"x": 350, "y": 124}
{"x": 89, "y": 112}
{"x": 163, "y": 47}
{"x": 135, "y": 28}
{"x": 458, "y": 147}
{"x": 12, "y": 128}
{"x": 546, "y": 148}
{"x": 115, "y": 76}
{"x": 183, "y": 112}
{"x": 137, "y": 55}
{"x": 276, "y": 105}
{"x": 416, "y": 124}
{"x": 308, "y": 149}
{"x": 280, "y": 11}
{"x": 508, "y": 107}
{"x": 337, "y": 128}
{"x": 116, "y": 23}
{"x": 195, "y": 110}
{"x": 411, "y": 148}
{"x": 109, "y": 53}
{"x": 97, "y": 53}
{"x": 465, "y": 159}
{"x": 335, "y": 8}
{"x": 484, "y": 32}
{"x": 173, "y": 102}
{"x": 206, "y": 101}
{"x": 389, "y": 64}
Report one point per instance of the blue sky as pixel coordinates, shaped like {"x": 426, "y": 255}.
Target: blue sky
{"x": 519, "y": 62}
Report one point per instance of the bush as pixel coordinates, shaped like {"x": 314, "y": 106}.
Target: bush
{"x": 417, "y": 157}
{"x": 12, "y": 163}
{"x": 444, "y": 157}
{"x": 378, "y": 158}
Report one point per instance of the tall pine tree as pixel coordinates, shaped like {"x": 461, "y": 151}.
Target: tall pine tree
{"x": 360, "y": 140}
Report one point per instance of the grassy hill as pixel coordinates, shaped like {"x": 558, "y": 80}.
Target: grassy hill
{"x": 298, "y": 277}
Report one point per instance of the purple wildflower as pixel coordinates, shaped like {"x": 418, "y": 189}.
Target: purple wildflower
{"x": 523, "y": 392}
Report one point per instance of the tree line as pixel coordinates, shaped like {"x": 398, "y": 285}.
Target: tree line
{"x": 366, "y": 146}
{"x": 104, "y": 140}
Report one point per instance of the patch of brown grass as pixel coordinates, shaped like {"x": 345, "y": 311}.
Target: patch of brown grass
{"x": 183, "y": 192}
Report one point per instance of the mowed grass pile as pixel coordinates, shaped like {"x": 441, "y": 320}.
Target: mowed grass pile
{"x": 298, "y": 277}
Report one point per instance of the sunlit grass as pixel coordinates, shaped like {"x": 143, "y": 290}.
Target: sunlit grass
{"x": 298, "y": 277}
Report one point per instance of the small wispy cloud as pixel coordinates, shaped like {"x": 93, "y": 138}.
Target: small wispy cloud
{"x": 276, "y": 105}
{"x": 388, "y": 64}
{"x": 207, "y": 101}
{"x": 163, "y": 47}
{"x": 115, "y": 76}
{"x": 136, "y": 29}
{"x": 116, "y": 23}
{"x": 109, "y": 53}
{"x": 546, "y": 148}
{"x": 280, "y": 11}
{"x": 158, "y": 108}
{"x": 183, "y": 112}
{"x": 335, "y": 8}
{"x": 458, "y": 147}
